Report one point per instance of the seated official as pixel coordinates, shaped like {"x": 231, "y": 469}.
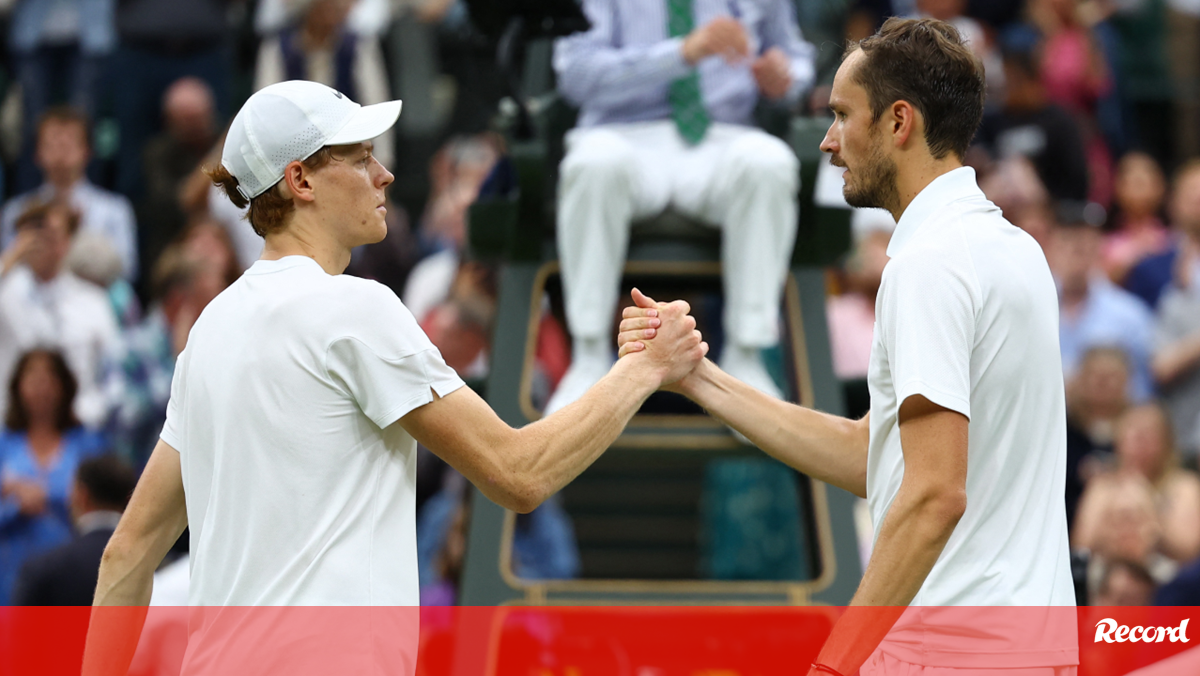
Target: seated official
{"x": 667, "y": 91}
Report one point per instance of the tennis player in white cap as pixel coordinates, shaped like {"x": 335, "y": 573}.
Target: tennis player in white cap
{"x": 290, "y": 442}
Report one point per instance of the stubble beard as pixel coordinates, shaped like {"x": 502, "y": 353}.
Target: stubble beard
{"x": 875, "y": 184}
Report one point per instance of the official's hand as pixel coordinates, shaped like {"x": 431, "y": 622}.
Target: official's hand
{"x": 665, "y": 332}
{"x": 724, "y": 36}
{"x": 773, "y": 73}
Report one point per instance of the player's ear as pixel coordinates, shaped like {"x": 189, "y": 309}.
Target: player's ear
{"x": 904, "y": 121}
{"x": 297, "y": 181}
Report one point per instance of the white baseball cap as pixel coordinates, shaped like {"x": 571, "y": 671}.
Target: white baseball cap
{"x": 290, "y": 121}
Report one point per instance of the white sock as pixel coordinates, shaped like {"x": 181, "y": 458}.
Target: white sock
{"x": 590, "y": 350}
{"x": 741, "y": 354}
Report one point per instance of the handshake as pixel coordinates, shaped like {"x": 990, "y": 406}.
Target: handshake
{"x": 664, "y": 335}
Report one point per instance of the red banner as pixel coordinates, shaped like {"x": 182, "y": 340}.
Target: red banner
{"x": 577, "y": 641}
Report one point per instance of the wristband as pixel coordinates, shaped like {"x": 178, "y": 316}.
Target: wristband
{"x": 825, "y": 669}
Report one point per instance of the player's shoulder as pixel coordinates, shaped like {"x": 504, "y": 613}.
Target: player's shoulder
{"x": 358, "y": 293}
{"x": 354, "y": 300}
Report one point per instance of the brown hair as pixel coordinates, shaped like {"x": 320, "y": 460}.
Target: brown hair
{"x": 66, "y": 115}
{"x": 269, "y": 211}
{"x": 35, "y": 215}
{"x": 17, "y": 418}
{"x": 109, "y": 481}
{"x": 926, "y": 63}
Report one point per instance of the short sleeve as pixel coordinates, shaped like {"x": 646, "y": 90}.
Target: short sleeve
{"x": 386, "y": 363}
{"x": 928, "y": 314}
{"x": 173, "y": 428}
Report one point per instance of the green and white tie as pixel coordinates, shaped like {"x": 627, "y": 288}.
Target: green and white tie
{"x": 687, "y": 105}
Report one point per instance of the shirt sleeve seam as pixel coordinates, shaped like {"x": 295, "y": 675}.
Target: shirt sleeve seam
{"x": 915, "y": 386}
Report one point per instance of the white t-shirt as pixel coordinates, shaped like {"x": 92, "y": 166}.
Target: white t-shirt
{"x": 967, "y": 316}
{"x": 67, "y": 314}
{"x": 299, "y": 489}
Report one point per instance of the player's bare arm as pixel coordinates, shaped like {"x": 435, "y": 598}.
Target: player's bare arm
{"x": 826, "y": 447}
{"x": 154, "y": 520}
{"x": 931, "y": 500}
{"x": 520, "y": 468}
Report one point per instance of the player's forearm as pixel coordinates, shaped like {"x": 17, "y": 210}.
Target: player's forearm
{"x": 118, "y": 613}
{"x": 551, "y": 452}
{"x": 826, "y": 447}
{"x": 911, "y": 539}
{"x": 125, "y": 579}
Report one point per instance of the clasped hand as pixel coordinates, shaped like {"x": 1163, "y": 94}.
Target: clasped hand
{"x": 664, "y": 331}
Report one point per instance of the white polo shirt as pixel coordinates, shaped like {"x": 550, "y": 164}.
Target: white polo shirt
{"x": 300, "y": 489}
{"x": 967, "y": 316}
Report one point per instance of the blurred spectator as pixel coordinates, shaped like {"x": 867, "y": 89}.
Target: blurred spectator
{"x": 189, "y": 113}
{"x": 367, "y": 17}
{"x": 665, "y": 102}
{"x": 1139, "y": 192}
{"x": 1125, "y": 583}
{"x": 44, "y": 305}
{"x": 1145, "y": 446}
{"x": 973, "y": 33}
{"x": 1183, "y": 47}
{"x": 543, "y": 546}
{"x": 161, "y": 41}
{"x": 1183, "y": 590}
{"x": 1097, "y": 395}
{"x": 40, "y": 449}
{"x": 1151, "y": 277}
{"x": 851, "y": 314}
{"x": 1146, "y": 79}
{"x": 201, "y": 199}
{"x": 457, "y": 171}
{"x": 1029, "y": 125}
{"x": 57, "y": 44}
{"x": 138, "y": 378}
{"x": 66, "y": 575}
{"x": 63, "y": 150}
{"x": 320, "y": 46}
{"x": 1014, "y": 186}
{"x": 461, "y": 326}
{"x": 93, "y": 260}
{"x": 1092, "y": 310}
{"x": 205, "y": 239}
{"x": 1177, "y": 349}
{"x": 1118, "y": 519}
{"x": 1077, "y": 77}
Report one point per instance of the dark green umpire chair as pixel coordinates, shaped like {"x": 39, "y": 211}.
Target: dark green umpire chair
{"x": 648, "y": 515}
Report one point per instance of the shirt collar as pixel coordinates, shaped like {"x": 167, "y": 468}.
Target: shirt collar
{"x": 951, "y": 186}
{"x": 263, "y": 266}
{"x": 99, "y": 519}
{"x": 80, "y": 187}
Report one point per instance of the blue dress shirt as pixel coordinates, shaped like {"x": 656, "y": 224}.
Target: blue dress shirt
{"x": 621, "y": 69}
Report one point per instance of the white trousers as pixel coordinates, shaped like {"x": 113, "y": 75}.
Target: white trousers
{"x": 740, "y": 179}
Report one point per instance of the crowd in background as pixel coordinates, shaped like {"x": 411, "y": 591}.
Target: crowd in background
{"x": 112, "y": 242}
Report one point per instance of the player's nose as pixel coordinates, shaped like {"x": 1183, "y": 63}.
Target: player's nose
{"x": 829, "y": 144}
{"x": 383, "y": 177}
